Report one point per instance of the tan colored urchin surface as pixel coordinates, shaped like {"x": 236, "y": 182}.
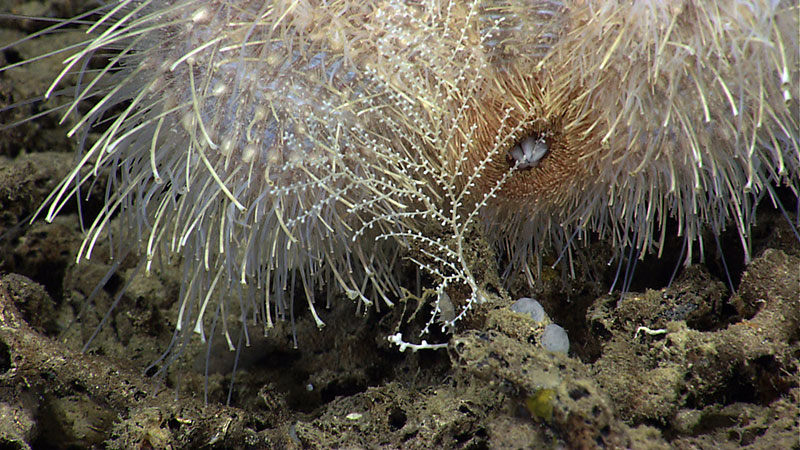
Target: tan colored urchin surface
{"x": 654, "y": 110}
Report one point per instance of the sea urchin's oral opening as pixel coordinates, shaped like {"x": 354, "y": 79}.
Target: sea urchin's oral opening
{"x": 527, "y": 153}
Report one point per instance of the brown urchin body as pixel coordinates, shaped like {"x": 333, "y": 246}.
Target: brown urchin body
{"x": 255, "y": 138}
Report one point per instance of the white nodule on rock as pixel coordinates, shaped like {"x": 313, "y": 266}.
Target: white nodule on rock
{"x": 555, "y": 339}
{"x": 531, "y": 307}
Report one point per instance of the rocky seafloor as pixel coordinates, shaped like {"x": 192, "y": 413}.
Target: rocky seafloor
{"x": 692, "y": 364}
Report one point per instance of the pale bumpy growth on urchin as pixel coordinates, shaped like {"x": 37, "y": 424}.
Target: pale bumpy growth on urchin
{"x": 271, "y": 143}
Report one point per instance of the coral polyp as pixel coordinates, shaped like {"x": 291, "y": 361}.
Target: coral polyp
{"x": 265, "y": 144}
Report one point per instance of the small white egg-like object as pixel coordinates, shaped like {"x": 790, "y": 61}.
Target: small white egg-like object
{"x": 555, "y": 339}
{"x": 531, "y": 307}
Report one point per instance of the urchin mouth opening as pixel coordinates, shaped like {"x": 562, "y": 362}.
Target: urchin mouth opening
{"x": 529, "y": 151}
